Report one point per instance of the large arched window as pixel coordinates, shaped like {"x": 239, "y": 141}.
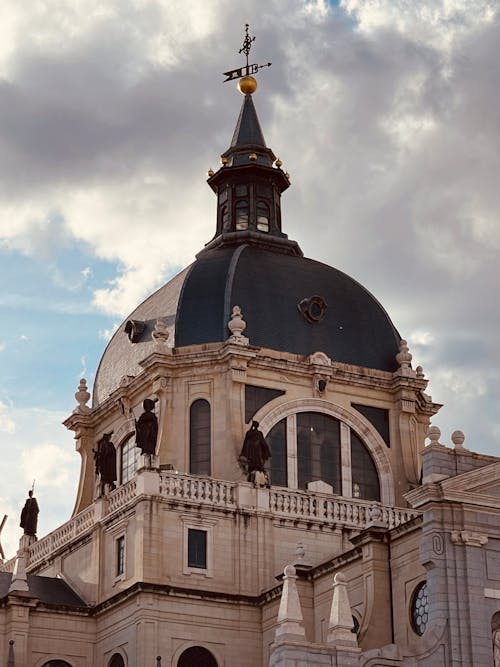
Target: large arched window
{"x": 197, "y": 656}
{"x": 56, "y": 663}
{"x": 318, "y": 449}
{"x": 128, "y": 459}
{"x": 315, "y": 446}
{"x": 365, "y": 483}
{"x": 199, "y": 438}
{"x": 241, "y": 214}
{"x": 116, "y": 661}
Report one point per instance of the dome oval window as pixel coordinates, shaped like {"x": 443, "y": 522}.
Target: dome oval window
{"x": 420, "y": 608}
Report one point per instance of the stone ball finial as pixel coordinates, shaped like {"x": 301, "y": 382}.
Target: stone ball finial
{"x": 404, "y": 357}
{"x": 82, "y": 397}
{"x": 434, "y": 433}
{"x": 458, "y": 439}
{"x": 420, "y": 372}
{"x": 289, "y": 571}
{"x": 340, "y": 578}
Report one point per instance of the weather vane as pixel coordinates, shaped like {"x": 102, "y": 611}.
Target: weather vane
{"x": 247, "y": 70}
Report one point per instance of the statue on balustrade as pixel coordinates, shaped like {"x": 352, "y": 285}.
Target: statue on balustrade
{"x": 29, "y": 515}
{"x": 146, "y": 429}
{"x": 254, "y": 455}
{"x": 105, "y": 463}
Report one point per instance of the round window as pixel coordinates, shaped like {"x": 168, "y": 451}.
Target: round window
{"x": 420, "y": 608}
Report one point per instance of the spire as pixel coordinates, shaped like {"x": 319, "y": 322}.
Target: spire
{"x": 248, "y": 130}
{"x": 250, "y": 181}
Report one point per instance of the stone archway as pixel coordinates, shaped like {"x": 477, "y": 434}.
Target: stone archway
{"x": 196, "y": 656}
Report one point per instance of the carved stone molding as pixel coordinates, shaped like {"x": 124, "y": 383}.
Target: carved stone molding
{"x": 468, "y": 538}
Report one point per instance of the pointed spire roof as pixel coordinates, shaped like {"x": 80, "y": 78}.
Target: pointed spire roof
{"x": 248, "y": 138}
{"x": 248, "y": 130}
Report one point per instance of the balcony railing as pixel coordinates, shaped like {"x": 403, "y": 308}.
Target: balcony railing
{"x": 192, "y": 490}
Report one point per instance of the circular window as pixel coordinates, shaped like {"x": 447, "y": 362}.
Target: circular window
{"x": 420, "y": 608}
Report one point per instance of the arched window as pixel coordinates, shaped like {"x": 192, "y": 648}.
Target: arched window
{"x": 241, "y": 211}
{"x": 365, "y": 482}
{"x": 313, "y": 446}
{"x": 116, "y": 661}
{"x": 318, "y": 449}
{"x": 276, "y": 439}
{"x": 199, "y": 438}
{"x": 197, "y": 656}
{"x": 262, "y": 216}
{"x": 129, "y": 459}
{"x": 56, "y": 663}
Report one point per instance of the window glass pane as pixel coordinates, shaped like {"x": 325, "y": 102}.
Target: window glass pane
{"x": 262, "y": 216}
{"x": 276, "y": 439}
{"x": 256, "y": 397}
{"x": 420, "y": 608}
{"x": 197, "y": 548}
{"x": 120, "y": 556}
{"x": 378, "y": 417}
{"x": 318, "y": 449}
{"x": 199, "y": 440}
{"x": 365, "y": 482}
{"x": 129, "y": 459}
{"x": 241, "y": 214}
{"x": 241, "y": 190}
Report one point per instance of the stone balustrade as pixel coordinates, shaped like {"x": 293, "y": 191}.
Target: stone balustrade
{"x": 192, "y": 490}
{"x": 198, "y": 489}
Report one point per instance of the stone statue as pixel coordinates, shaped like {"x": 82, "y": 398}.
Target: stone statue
{"x": 146, "y": 428}
{"x": 255, "y": 453}
{"x": 105, "y": 462}
{"x": 496, "y": 648}
{"x": 29, "y": 515}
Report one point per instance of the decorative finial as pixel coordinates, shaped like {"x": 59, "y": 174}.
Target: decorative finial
{"x": 434, "y": 433}
{"x": 247, "y": 83}
{"x": 160, "y": 332}
{"x": 82, "y": 396}
{"x": 210, "y": 172}
{"x": 236, "y": 326}
{"x": 404, "y": 357}
{"x": 458, "y": 439}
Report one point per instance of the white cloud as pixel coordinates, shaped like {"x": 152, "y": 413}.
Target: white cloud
{"x": 47, "y": 463}
{"x": 107, "y": 334}
{"x": 7, "y": 423}
{"x": 2, "y": 346}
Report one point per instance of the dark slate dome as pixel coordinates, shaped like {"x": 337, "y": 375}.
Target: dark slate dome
{"x": 347, "y": 322}
{"x": 289, "y": 303}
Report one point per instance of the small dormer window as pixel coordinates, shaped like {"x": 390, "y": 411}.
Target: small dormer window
{"x": 262, "y": 216}
{"x": 241, "y": 214}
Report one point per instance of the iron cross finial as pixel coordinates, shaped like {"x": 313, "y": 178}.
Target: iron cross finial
{"x": 247, "y": 70}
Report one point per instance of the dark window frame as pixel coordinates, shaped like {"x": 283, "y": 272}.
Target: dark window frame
{"x": 197, "y": 551}
{"x": 200, "y": 438}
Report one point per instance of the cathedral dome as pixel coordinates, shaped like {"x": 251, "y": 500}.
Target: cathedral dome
{"x": 290, "y": 303}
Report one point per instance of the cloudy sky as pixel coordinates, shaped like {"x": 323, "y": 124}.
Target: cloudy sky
{"x": 385, "y": 113}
